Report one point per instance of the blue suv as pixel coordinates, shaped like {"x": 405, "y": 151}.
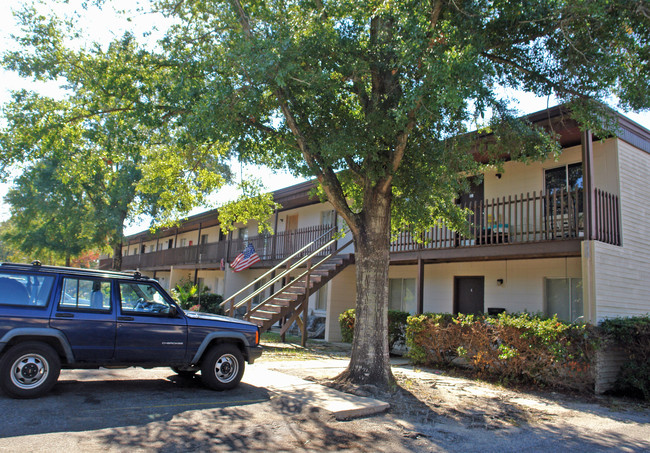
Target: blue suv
{"x": 55, "y": 317}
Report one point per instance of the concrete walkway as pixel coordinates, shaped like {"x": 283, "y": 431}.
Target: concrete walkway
{"x": 302, "y": 392}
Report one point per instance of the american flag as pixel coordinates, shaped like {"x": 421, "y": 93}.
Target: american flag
{"x": 245, "y": 259}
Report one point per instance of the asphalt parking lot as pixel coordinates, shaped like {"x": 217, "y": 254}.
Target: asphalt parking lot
{"x": 155, "y": 410}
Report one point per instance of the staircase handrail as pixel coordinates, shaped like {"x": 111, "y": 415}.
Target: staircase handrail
{"x": 281, "y": 290}
{"x": 286, "y": 272}
{"x": 286, "y": 260}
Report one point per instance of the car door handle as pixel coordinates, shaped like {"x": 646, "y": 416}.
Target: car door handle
{"x": 64, "y": 315}
{"x": 125, "y": 318}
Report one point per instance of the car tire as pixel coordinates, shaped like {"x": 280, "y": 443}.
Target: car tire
{"x": 183, "y": 372}
{"x": 29, "y": 370}
{"x": 222, "y": 367}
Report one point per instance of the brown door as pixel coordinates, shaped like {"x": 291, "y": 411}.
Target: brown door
{"x": 469, "y": 295}
{"x": 292, "y": 222}
{"x": 291, "y": 240}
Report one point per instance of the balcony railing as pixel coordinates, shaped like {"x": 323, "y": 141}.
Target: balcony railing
{"x": 269, "y": 248}
{"x": 518, "y": 219}
{"x": 521, "y": 219}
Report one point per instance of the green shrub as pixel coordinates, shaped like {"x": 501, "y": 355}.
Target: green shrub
{"x": 346, "y": 321}
{"x": 633, "y": 336}
{"x": 513, "y": 347}
{"x": 208, "y": 303}
{"x": 396, "y": 326}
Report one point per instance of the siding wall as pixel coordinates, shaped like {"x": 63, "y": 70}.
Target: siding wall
{"x": 621, "y": 274}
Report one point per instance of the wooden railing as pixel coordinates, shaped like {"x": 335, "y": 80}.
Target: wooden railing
{"x": 269, "y": 248}
{"x": 607, "y": 228}
{"x": 521, "y": 219}
{"x": 514, "y": 219}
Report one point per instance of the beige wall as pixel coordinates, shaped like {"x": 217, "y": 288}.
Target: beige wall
{"x": 342, "y": 295}
{"x": 621, "y": 275}
{"x": 522, "y": 289}
{"x": 308, "y": 216}
{"x": 213, "y": 279}
{"x": 519, "y": 178}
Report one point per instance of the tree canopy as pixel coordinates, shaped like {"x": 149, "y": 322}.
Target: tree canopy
{"x": 104, "y": 141}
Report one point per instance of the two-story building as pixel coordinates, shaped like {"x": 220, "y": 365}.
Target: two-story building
{"x": 566, "y": 236}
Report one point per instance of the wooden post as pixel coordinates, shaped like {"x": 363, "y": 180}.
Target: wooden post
{"x": 588, "y": 180}
{"x": 305, "y": 306}
{"x": 420, "y": 287}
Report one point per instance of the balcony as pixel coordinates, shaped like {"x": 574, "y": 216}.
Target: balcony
{"x": 547, "y": 224}
{"x": 270, "y": 248}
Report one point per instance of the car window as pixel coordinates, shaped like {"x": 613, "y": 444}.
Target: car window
{"x": 23, "y": 289}
{"x": 142, "y": 298}
{"x": 85, "y": 294}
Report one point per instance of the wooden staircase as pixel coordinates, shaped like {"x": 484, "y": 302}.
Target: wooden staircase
{"x": 289, "y": 303}
{"x": 296, "y": 283}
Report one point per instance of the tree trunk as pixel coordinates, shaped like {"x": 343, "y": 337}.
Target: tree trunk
{"x": 67, "y": 260}
{"x": 369, "y": 363}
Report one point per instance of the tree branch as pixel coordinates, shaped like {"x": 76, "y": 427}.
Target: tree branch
{"x": 400, "y": 148}
{"x": 243, "y": 18}
{"x": 537, "y": 75}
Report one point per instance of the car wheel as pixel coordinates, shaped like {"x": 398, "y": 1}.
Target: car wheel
{"x": 29, "y": 370}
{"x": 184, "y": 372}
{"x": 222, "y": 367}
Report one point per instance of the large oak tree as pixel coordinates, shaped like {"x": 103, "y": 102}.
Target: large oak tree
{"x": 374, "y": 99}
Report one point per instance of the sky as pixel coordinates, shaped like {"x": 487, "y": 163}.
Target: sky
{"x": 103, "y": 26}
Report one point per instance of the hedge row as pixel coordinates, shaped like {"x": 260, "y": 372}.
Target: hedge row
{"x": 522, "y": 347}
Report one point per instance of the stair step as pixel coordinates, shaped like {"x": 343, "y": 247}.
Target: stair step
{"x": 278, "y": 303}
{"x": 271, "y": 308}
{"x": 256, "y": 320}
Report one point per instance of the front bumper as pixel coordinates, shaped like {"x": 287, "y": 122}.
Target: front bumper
{"x": 253, "y": 352}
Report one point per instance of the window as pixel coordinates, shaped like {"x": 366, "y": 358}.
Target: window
{"x": 327, "y": 218}
{"x": 21, "y": 289}
{"x": 567, "y": 177}
{"x": 142, "y": 298}
{"x": 151, "y": 248}
{"x": 401, "y": 294}
{"x": 170, "y": 244}
{"x": 183, "y": 242}
{"x": 564, "y": 298}
{"x": 243, "y": 233}
{"x": 204, "y": 239}
{"x": 134, "y": 251}
{"x": 85, "y": 294}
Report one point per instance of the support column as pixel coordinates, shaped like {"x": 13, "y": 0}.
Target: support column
{"x": 588, "y": 181}
{"x": 420, "y": 287}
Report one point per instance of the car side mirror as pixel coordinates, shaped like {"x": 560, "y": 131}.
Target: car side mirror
{"x": 173, "y": 311}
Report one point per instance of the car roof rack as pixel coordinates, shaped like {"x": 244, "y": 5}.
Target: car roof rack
{"x": 36, "y": 265}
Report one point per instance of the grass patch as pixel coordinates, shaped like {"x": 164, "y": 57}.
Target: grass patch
{"x": 275, "y": 350}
